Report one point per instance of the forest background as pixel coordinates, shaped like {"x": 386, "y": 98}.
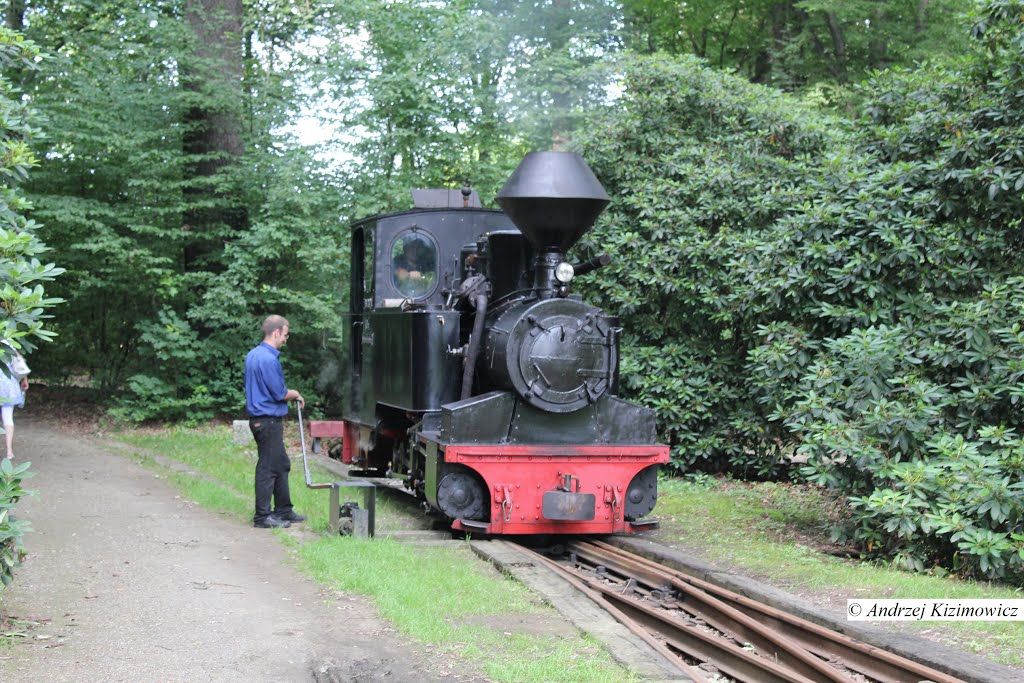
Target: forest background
{"x": 816, "y": 217}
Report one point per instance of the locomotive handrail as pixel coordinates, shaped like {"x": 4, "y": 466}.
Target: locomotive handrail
{"x": 334, "y": 511}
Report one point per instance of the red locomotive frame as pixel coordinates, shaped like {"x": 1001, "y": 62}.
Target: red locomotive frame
{"x": 518, "y": 476}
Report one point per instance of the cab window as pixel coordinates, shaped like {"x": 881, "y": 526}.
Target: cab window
{"x": 414, "y": 264}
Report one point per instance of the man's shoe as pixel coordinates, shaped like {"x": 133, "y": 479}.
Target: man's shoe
{"x": 290, "y": 516}
{"x": 272, "y": 522}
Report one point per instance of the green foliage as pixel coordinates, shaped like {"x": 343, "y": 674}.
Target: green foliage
{"x": 175, "y": 255}
{"x": 425, "y": 84}
{"x": 110, "y": 189}
{"x": 431, "y": 94}
{"x": 22, "y": 299}
{"x": 960, "y": 505}
{"x": 810, "y": 43}
{"x": 906, "y": 286}
{"x": 847, "y": 296}
{"x": 701, "y": 164}
{"x": 11, "y": 529}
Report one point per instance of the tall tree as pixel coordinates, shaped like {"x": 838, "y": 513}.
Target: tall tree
{"x": 438, "y": 93}
{"x": 211, "y": 75}
{"x": 145, "y": 146}
{"x": 798, "y": 43}
{"x": 558, "y": 51}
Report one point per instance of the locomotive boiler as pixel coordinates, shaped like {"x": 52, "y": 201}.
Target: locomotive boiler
{"x": 477, "y": 376}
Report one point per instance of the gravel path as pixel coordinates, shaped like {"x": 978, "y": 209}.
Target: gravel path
{"x": 128, "y": 582}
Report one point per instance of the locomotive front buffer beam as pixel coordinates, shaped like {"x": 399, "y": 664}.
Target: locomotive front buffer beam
{"x": 562, "y": 489}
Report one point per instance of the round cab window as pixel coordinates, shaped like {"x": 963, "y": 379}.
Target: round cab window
{"x": 414, "y": 265}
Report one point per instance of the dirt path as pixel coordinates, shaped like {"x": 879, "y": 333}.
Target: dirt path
{"x": 128, "y": 582}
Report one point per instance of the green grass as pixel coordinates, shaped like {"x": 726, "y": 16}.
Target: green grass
{"x": 442, "y": 597}
{"x": 212, "y": 454}
{"x": 439, "y": 592}
{"x": 14, "y": 630}
{"x": 771, "y": 530}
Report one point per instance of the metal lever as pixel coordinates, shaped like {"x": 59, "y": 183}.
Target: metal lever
{"x": 305, "y": 461}
{"x": 369, "y": 489}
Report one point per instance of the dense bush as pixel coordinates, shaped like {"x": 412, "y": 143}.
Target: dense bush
{"x": 849, "y": 295}
{"x": 11, "y": 530}
{"x": 700, "y": 163}
{"x": 23, "y": 302}
{"x": 910, "y": 294}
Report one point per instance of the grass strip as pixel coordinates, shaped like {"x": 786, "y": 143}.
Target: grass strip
{"x": 439, "y": 591}
{"x": 441, "y": 597}
{"x": 768, "y": 529}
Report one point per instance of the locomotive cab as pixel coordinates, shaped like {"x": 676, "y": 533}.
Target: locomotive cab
{"x": 474, "y": 374}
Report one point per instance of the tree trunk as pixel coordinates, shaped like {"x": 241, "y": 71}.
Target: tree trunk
{"x": 726, "y": 34}
{"x": 838, "y": 46}
{"x": 878, "y": 46}
{"x": 919, "y": 18}
{"x": 14, "y": 17}
{"x": 779, "y": 17}
{"x": 213, "y": 127}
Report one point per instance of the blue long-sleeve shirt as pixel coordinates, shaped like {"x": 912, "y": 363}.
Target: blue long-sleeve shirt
{"x": 264, "y": 383}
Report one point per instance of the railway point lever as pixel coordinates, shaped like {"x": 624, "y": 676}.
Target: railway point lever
{"x": 364, "y": 521}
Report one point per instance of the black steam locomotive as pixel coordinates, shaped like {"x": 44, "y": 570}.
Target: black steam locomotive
{"x": 475, "y": 374}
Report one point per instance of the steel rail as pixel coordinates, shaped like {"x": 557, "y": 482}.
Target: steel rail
{"x": 865, "y": 659}
{"x": 576, "y": 582}
{"x": 725, "y": 654}
{"x": 722, "y": 616}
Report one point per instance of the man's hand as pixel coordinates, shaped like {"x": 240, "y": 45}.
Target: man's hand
{"x": 293, "y": 395}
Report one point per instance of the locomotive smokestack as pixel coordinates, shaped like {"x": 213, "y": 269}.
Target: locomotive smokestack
{"x": 553, "y": 198}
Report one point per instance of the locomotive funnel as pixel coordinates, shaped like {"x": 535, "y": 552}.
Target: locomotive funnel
{"x": 553, "y": 198}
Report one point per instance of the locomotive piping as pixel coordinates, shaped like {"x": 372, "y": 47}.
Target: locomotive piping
{"x": 591, "y": 265}
{"x": 480, "y": 302}
{"x": 544, "y": 283}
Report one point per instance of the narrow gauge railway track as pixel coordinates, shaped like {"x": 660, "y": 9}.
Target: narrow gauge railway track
{"x": 687, "y": 619}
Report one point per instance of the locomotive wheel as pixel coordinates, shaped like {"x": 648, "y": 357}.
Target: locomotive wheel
{"x": 642, "y": 493}
{"x": 460, "y": 495}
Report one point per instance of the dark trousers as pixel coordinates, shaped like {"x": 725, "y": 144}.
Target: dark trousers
{"x": 272, "y": 467}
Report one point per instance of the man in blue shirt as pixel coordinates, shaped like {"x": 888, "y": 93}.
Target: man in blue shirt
{"x": 266, "y": 401}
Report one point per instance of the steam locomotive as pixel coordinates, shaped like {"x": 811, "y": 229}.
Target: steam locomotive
{"x": 475, "y": 374}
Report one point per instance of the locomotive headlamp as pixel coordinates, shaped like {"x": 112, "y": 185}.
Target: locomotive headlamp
{"x": 564, "y": 272}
